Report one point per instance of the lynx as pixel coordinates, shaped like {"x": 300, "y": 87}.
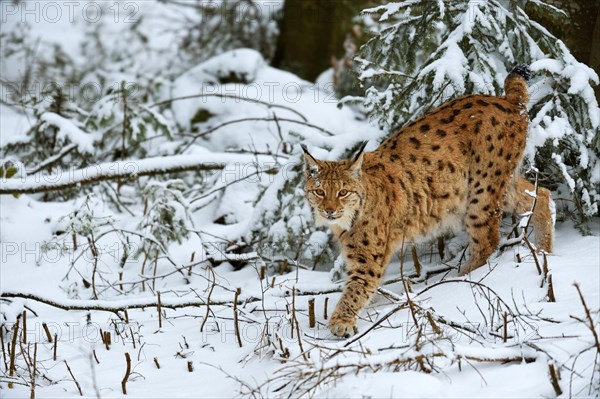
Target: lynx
{"x": 456, "y": 166}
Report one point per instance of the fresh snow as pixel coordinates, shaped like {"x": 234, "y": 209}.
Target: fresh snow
{"x": 222, "y": 209}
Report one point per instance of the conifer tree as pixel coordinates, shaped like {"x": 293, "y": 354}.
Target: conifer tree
{"x": 424, "y": 53}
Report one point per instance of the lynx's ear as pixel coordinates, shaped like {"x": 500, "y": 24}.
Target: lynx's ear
{"x": 357, "y": 159}
{"x": 311, "y": 164}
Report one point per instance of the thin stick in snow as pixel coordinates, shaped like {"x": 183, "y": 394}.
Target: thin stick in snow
{"x": 416, "y": 262}
{"x": 311, "y": 313}
{"x": 406, "y": 287}
{"x": 55, "y": 346}
{"x": 212, "y": 287}
{"x": 554, "y": 379}
{"x": 74, "y": 379}
{"x": 589, "y": 318}
{"x": 505, "y": 329}
{"x": 24, "y": 327}
{"x": 159, "y": 310}
{"x": 13, "y": 351}
{"x": 156, "y": 363}
{"x": 107, "y": 340}
{"x": 34, "y": 371}
{"x": 295, "y": 321}
{"x": 535, "y": 258}
{"x": 235, "y": 317}
{"x": 4, "y": 357}
{"x": 433, "y": 324}
{"x": 551, "y": 297}
{"x": 127, "y": 372}
{"x": 190, "y": 366}
{"x": 47, "y": 331}
{"x": 325, "y": 308}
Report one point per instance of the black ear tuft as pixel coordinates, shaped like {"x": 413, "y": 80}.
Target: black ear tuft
{"x": 304, "y": 148}
{"x": 360, "y": 150}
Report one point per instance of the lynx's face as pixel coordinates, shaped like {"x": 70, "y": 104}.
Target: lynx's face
{"x": 334, "y": 190}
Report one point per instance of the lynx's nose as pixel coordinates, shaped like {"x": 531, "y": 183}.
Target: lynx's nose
{"x": 329, "y": 214}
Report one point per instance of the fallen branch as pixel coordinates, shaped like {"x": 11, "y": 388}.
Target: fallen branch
{"x": 119, "y": 306}
{"x": 131, "y": 169}
{"x": 308, "y": 379}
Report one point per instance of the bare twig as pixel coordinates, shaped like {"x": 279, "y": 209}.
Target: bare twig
{"x": 551, "y": 297}
{"x": 406, "y": 288}
{"x": 212, "y": 287}
{"x": 33, "y": 371}
{"x": 159, "y": 310}
{"x": 377, "y": 323}
{"x": 433, "y": 324}
{"x": 235, "y": 317}
{"x": 13, "y": 351}
{"x": 4, "y": 357}
{"x": 416, "y": 262}
{"x": 311, "y": 312}
{"x": 589, "y": 318}
{"x": 74, "y": 379}
{"x": 47, "y": 331}
{"x": 535, "y": 258}
{"x": 24, "y": 327}
{"x": 55, "y": 346}
{"x": 295, "y": 321}
{"x": 554, "y": 379}
{"x": 127, "y": 372}
{"x": 505, "y": 327}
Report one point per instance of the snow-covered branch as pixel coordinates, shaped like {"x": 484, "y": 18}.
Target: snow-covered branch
{"x": 131, "y": 169}
{"x": 121, "y": 305}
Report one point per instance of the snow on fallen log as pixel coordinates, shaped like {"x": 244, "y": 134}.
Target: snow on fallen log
{"x": 123, "y": 304}
{"x": 41, "y": 182}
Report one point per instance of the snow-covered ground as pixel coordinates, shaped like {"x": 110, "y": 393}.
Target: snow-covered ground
{"x": 270, "y": 362}
{"x": 497, "y": 333}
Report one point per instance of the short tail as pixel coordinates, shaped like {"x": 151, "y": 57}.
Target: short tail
{"x": 515, "y": 85}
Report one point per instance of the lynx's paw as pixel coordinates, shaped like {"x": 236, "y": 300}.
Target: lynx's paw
{"x": 343, "y": 326}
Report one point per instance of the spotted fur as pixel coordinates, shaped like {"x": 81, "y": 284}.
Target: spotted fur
{"x": 456, "y": 166}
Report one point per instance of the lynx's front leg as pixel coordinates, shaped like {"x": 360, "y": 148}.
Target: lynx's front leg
{"x": 367, "y": 259}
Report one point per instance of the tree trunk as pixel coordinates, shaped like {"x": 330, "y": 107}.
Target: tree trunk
{"x": 312, "y": 31}
{"x": 576, "y": 30}
{"x": 595, "y": 51}
{"x": 580, "y": 31}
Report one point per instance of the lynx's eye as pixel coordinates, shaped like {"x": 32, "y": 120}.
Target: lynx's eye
{"x": 319, "y": 193}
{"x": 343, "y": 193}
